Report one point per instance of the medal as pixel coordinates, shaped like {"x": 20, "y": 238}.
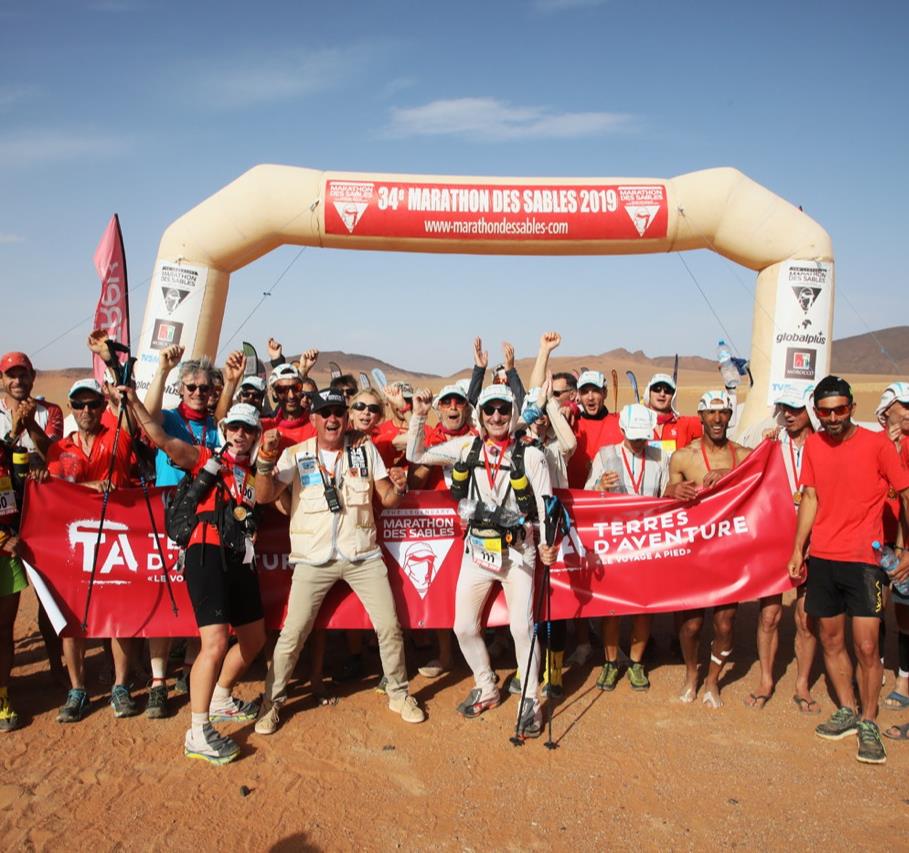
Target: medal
{"x": 240, "y": 513}
{"x": 797, "y": 498}
{"x": 892, "y": 493}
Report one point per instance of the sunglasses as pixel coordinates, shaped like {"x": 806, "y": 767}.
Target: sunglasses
{"x": 558, "y": 394}
{"x": 192, "y": 388}
{"x": 372, "y": 408}
{"x": 249, "y": 430}
{"x": 332, "y": 411}
{"x": 839, "y": 411}
{"x": 284, "y": 390}
{"x": 792, "y": 410}
{"x": 504, "y": 409}
{"x": 250, "y": 393}
{"x": 453, "y": 399}
{"x": 660, "y": 388}
{"x": 92, "y": 405}
{"x": 348, "y": 392}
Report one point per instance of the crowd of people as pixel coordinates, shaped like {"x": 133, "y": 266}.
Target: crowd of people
{"x": 329, "y": 457}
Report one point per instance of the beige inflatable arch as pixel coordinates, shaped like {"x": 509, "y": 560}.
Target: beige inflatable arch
{"x": 718, "y": 209}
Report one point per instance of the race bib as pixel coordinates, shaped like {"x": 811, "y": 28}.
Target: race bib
{"x": 308, "y": 471}
{"x": 7, "y": 497}
{"x": 486, "y": 553}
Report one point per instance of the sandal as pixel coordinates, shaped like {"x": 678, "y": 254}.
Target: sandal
{"x": 896, "y": 701}
{"x": 902, "y": 732}
{"x": 806, "y": 706}
{"x": 752, "y": 699}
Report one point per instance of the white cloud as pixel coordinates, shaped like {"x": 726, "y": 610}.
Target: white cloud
{"x": 28, "y": 148}
{"x": 565, "y": 5}
{"x": 12, "y": 94}
{"x": 493, "y": 120}
{"x": 247, "y": 82}
{"x": 10, "y": 239}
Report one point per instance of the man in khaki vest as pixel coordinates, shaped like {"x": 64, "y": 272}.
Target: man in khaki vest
{"x": 332, "y": 538}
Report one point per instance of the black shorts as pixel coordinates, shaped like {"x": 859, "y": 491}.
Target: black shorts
{"x": 221, "y": 597}
{"x": 835, "y": 587}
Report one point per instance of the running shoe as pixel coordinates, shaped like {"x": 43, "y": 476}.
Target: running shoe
{"x": 531, "y": 723}
{"x": 637, "y": 677}
{"x": 268, "y": 723}
{"x": 233, "y": 710}
{"x": 210, "y": 746}
{"x": 554, "y": 691}
{"x": 156, "y": 705}
{"x": 473, "y": 705}
{"x": 75, "y": 707}
{"x": 513, "y": 685}
{"x": 181, "y": 683}
{"x": 870, "y": 748}
{"x": 9, "y": 719}
{"x": 122, "y": 702}
{"x": 407, "y": 707}
{"x": 381, "y": 687}
{"x": 842, "y": 723}
{"x": 609, "y": 676}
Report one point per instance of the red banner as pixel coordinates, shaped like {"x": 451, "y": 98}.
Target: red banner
{"x": 626, "y": 555}
{"x": 112, "y": 313}
{"x": 470, "y": 211}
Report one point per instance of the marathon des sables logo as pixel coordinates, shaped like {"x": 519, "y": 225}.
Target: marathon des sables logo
{"x": 121, "y": 554}
{"x": 418, "y": 540}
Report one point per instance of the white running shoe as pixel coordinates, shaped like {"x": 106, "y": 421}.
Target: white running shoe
{"x": 210, "y": 746}
{"x": 407, "y": 707}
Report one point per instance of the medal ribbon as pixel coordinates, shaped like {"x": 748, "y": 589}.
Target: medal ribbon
{"x": 491, "y": 475}
{"x": 707, "y": 462}
{"x": 636, "y": 487}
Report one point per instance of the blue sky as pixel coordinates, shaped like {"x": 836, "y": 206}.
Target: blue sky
{"x": 146, "y": 108}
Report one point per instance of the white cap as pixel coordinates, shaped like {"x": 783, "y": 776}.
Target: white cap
{"x": 794, "y": 396}
{"x": 495, "y": 392}
{"x": 715, "y": 400}
{"x": 893, "y": 392}
{"x": 284, "y": 371}
{"x": 85, "y": 385}
{"x": 657, "y": 378}
{"x": 253, "y": 382}
{"x": 241, "y": 413}
{"x": 637, "y": 421}
{"x": 450, "y": 391}
{"x": 591, "y": 377}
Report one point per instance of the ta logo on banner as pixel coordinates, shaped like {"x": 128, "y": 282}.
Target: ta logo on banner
{"x": 420, "y": 560}
{"x": 114, "y": 549}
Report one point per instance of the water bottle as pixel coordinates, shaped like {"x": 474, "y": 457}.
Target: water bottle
{"x": 728, "y": 370}
{"x": 889, "y": 561}
{"x": 612, "y": 464}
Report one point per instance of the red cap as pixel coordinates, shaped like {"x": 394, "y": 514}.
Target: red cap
{"x": 15, "y": 359}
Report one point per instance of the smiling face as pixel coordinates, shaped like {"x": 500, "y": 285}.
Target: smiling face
{"x": 562, "y": 391}
{"x": 661, "y": 397}
{"x": 289, "y": 396}
{"x": 196, "y": 390}
{"x": 794, "y": 419}
{"x": 496, "y": 418}
{"x": 835, "y": 414}
{"x": 366, "y": 412}
{"x": 715, "y": 423}
{"x": 331, "y": 424}
{"x": 18, "y": 382}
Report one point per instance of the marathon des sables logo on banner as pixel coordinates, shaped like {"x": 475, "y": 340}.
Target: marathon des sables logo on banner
{"x": 418, "y": 540}
{"x": 121, "y": 553}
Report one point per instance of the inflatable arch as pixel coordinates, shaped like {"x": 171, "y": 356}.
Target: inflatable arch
{"x": 718, "y": 209}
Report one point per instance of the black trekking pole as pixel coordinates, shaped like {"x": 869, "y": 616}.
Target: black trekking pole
{"x": 104, "y": 502}
{"x": 551, "y": 526}
{"x": 151, "y": 515}
{"x": 554, "y": 515}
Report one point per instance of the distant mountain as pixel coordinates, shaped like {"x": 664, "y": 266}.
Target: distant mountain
{"x": 351, "y": 362}
{"x": 869, "y": 353}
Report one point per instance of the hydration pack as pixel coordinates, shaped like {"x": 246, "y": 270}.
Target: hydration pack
{"x": 463, "y": 475}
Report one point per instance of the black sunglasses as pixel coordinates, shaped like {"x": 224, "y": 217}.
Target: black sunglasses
{"x": 79, "y": 405}
{"x": 661, "y": 388}
{"x": 249, "y": 392}
{"x": 372, "y": 408}
{"x": 329, "y": 411}
{"x": 452, "y": 398}
{"x": 560, "y": 393}
{"x": 792, "y": 410}
{"x": 243, "y": 427}
{"x": 192, "y": 388}
{"x": 504, "y": 409}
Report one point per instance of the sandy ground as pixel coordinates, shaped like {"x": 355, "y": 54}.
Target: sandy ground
{"x": 631, "y": 770}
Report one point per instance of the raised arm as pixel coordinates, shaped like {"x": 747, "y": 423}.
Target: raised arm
{"x": 480, "y": 363}
{"x": 548, "y": 342}
{"x": 268, "y": 487}
{"x": 154, "y": 396}
{"x": 444, "y": 454}
{"x": 181, "y": 453}
{"x": 234, "y": 367}
{"x": 308, "y": 361}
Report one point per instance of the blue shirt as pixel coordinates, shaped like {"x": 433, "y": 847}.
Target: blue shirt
{"x": 194, "y": 432}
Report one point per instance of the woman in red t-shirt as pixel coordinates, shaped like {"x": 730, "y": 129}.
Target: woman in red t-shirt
{"x": 221, "y": 580}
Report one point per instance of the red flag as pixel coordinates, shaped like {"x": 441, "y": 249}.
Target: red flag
{"x": 112, "y": 312}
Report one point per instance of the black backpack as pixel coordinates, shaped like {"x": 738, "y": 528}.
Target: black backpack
{"x": 181, "y": 515}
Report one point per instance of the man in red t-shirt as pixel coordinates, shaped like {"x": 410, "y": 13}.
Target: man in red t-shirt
{"x": 673, "y": 431}
{"x": 846, "y": 473}
{"x": 33, "y": 424}
{"x": 594, "y": 428}
{"x": 454, "y": 413}
{"x": 85, "y": 457}
{"x": 291, "y": 394}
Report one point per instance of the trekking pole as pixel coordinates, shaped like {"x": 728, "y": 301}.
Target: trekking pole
{"x": 151, "y": 515}
{"x": 553, "y": 517}
{"x": 104, "y": 502}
